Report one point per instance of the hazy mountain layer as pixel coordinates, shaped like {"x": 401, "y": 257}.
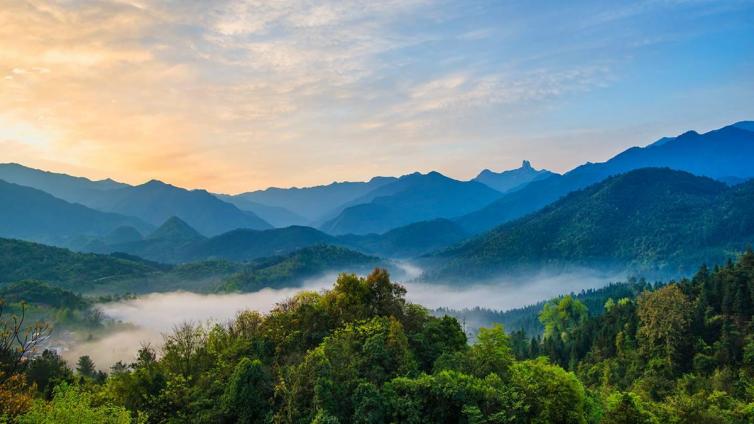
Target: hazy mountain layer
{"x": 513, "y": 179}
{"x": 156, "y": 201}
{"x": 413, "y": 198}
{"x": 31, "y": 214}
{"x": 719, "y": 154}
{"x": 314, "y": 203}
{"x": 655, "y": 220}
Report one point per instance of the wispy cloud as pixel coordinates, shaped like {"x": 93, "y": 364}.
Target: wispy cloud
{"x": 234, "y": 95}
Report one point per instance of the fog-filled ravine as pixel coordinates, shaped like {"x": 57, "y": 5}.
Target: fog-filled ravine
{"x": 145, "y": 319}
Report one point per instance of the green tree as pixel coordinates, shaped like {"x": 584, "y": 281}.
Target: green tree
{"x": 47, "y": 371}
{"x": 550, "y": 394}
{"x": 491, "y": 353}
{"x": 626, "y": 408}
{"x": 664, "y": 319}
{"x": 70, "y": 405}
{"x": 247, "y": 395}
{"x": 561, "y": 317}
{"x": 85, "y": 367}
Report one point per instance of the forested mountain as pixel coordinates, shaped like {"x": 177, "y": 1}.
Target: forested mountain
{"x": 654, "y": 220}
{"x": 21, "y": 260}
{"x": 31, "y": 214}
{"x": 175, "y": 230}
{"x": 410, "y": 240}
{"x": 66, "y": 187}
{"x": 156, "y": 201}
{"x": 526, "y": 318}
{"x": 681, "y": 353}
{"x": 152, "y": 202}
{"x": 513, "y": 179}
{"x": 412, "y": 198}
{"x": 677, "y": 353}
{"x": 277, "y": 216}
{"x": 120, "y": 273}
{"x": 295, "y": 267}
{"x": 169, "y": 243}
{"x": 242, "y": 245}
{"x": 313, "y": 203}
{"x": 720, "y": 154}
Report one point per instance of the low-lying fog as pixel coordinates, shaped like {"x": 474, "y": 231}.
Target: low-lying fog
{"x": 154, "y": 314}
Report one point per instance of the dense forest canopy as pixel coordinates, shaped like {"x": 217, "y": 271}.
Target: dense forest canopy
{"x": 681, "y": 352}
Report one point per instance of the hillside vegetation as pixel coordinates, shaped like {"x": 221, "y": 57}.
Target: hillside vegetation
{"x": 649, "y": 220}
{"x": 682, "y": 353}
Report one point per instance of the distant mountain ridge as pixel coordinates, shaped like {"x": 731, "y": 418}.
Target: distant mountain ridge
{"x": 410, "y": 240}
{"x": 721, "y": 154}
{"x": 412, "y": 198}
{"x": 277, "y": 216}
{"x": 72, "y": 189}
{"x": 648, "y": 219}
{"x": 152, "y": 202}
{"x": 314, "y": 203}
{"x": 156, "y": 201}
{"x": 513, "y": 179}
{"x": 35, "y": 215}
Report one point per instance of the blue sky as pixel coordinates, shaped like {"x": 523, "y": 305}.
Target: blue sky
{"x": 233, "y": 96}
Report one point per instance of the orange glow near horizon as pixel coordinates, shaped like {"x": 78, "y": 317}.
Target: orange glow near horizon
{"x": 239, "y": 95}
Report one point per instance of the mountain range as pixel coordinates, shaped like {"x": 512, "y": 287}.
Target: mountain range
{"x": 403, "y": 217}
{"x": 513, "y": 179}
{"x": 722, "y": 154}
{"x": 311, "y": 203}
{"x": 31, "y": 214}
{"x": 411, "y": 198}
{"x": 651, "y": 220}
{"x": 152, "y": 202}
{"x": 176, "y": 242}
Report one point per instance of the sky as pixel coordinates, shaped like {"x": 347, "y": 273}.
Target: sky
{"x": 233, "y": 96}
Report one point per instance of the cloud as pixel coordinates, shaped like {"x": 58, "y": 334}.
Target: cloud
{"x": 146, "y": 319}
{"x": 235, "y": 95}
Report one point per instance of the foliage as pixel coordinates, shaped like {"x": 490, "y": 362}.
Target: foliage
{"x": 20, "y": 260}
{"x": 278, "y": 271}
{"x": 526, "y": 319}
{"x": 38, "y": 292}
{"x": 71, "y": 405}
{"x": 679, "y": 353}
{"x": 656, "y": 221}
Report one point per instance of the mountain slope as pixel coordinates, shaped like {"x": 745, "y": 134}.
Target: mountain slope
{"x": 20, "y": 260}
{"x": 656, "y": 220}
{"x": 156, "y": 201}
{"x": 175, "y": 229}
{"x": 410, "y": 240}
{"x": 513, "y": 179}
{"x": 31, "y": 214}
{"x": 65, "y": 187}
{"x": 313, "y": 203}
{"x": 277, "y": 216}
{"x": 294, "y": 267}
{"x": 243, "y": 245}
{"x": 719, "y": 154}
{"x": 413, "y": 198}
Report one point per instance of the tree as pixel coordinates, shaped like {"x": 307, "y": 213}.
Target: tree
{"x": 17, "y": 340}
{"x": 71, "y": 405}
{"x": 247, "y": 393}
{"x": 550, "y": 394}
{"x": 15, "y": 397}
{"x": 85, "y": 367}
{"x": 664, "y": 318}
{"x": 47, "y": 371}
{"x": 625, "y": 408}
{"x": 491, "y": 353}
{"x": 561, "y": 317}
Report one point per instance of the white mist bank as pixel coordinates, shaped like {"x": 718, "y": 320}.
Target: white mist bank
{"x": 155, "y": 314}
